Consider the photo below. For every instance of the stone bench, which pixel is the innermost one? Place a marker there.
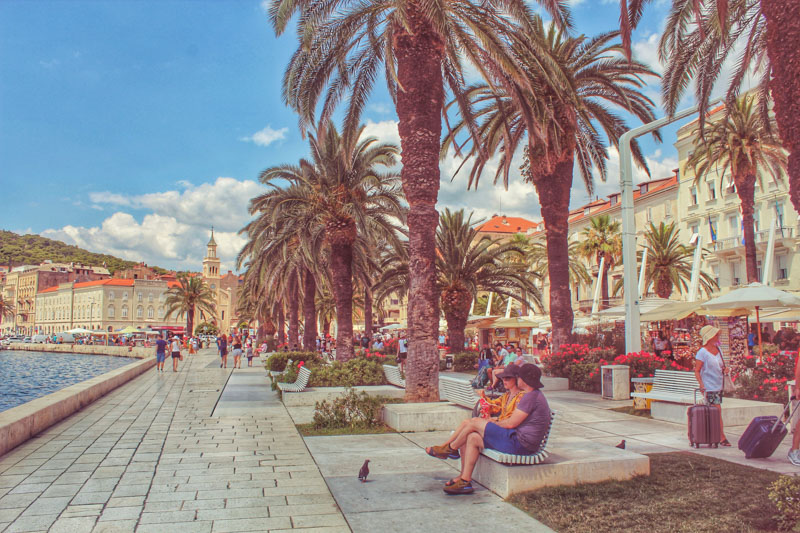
(571, 460)
(457, 391)
(312, 395)
(419, 417)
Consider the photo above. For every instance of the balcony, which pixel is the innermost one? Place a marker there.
(732, 245)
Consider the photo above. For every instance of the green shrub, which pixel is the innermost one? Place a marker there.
(584, 377)
(767, 348)
(355, 372)
(442, 365)
(785, 494)
(465, 361)
(277, 362)
(353, 410)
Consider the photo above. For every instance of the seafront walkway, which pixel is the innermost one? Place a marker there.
(204, 449)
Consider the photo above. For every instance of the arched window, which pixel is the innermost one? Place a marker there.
(124, 311)
(151, 312)
(110, 311)
(150, 298)
(160, 312)
(139, 312)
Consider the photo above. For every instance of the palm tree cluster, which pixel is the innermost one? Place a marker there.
(191, 295)
(552, 97)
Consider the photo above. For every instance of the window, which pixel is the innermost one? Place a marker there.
(693, 196)
(150, 312)
(111, 295)
(213, 286)
(667, 210)
(733, 225)
(223, 315)
(110, 311)
(395, 301)
(712, 190)
(139, 297)
(779, 214)
(150, 298)
(758, 270)
(783, 267)
(735, 274)
(649, 214)
(139, 312)
(124, 295)
(124, 311)
(693, 229)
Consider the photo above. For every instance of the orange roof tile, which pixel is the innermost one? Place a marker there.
(503, 224)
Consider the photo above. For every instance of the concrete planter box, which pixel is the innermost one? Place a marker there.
(735, 412)
(312, 395)
(417, 417)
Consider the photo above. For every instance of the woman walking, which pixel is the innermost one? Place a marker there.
(175, 348)
(237, 351)
(710, 369)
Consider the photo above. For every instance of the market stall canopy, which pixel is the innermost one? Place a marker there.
(128, 330)
(80, 331)
(645, 306)
(754, 295)
(515, 322)
(391, 327)
(786, 315)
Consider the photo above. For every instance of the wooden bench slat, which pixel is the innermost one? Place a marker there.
(533, 459)
(299, 384)
(672, 386)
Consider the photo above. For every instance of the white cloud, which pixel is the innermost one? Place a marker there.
(381, 108)
(175, 226)
(265, 5)
(646, 51)
(385, 131)
(266, 136)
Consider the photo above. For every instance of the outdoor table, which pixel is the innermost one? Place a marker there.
(642, 385)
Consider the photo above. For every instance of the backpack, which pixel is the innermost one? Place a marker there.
(481, 380)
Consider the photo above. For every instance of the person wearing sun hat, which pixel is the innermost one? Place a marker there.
(519, 434)
(710, 369)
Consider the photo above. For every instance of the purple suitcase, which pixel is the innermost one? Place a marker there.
(764, 434)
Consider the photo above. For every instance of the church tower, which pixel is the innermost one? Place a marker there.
(211, 262)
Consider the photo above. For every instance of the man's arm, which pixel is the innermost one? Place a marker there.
(514, 420)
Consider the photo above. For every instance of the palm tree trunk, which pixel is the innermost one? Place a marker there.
(309, 312)
(456, 302)
(190, 321)
(783, 34)
(368, 312)
(281, 325)
(604, 286)
(342, 274)
(554, 191)
(745, 188)
(294, 311)
(419, 51)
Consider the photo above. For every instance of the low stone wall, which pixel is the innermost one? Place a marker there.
(20, 423)
(139, 352)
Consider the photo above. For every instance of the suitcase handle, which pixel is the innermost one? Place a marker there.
(788, 407)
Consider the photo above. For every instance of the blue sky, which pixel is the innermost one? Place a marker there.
(131, 127)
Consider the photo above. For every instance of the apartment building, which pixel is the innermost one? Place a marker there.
(710, 208)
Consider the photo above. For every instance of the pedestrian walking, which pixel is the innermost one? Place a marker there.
(175, 347)
(161, 354)
(222, 345)
(237, 351)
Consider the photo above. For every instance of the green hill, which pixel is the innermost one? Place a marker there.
(33, 249)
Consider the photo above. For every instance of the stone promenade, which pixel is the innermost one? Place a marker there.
(204, 449)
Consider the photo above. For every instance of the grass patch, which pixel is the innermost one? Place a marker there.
(684, 492)
(629, 410)
(308, 430)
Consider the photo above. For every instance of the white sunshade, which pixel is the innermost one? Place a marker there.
(646, 305)
(80, 331)
(754, 295)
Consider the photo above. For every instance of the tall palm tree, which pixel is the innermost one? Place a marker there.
(342, 194)
(537, 258)
(466, 264)
(6, 308)
(602, 241)
(191, 295)
(741, 146)
(763, 35)
(561, 117)
(669, 263)
(421, 45)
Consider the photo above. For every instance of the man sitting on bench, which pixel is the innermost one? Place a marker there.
(520, 434)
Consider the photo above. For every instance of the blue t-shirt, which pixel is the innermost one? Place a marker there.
(161, 346)
(711, 371)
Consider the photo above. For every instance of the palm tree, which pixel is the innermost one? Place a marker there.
(669, 263)
(340, 194)
(191, 295)
(561, 118)
(6, 308)
(763, 35)
(602, 240)
(466, 264)
(742, 146)
(421, 45)
(537, 258)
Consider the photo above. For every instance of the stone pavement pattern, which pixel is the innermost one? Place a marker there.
(169, 452)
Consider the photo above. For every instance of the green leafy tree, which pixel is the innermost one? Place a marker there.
(742, 146)
(190, 296)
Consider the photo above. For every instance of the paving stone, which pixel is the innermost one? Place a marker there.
(10, 501)
(24, 488)
(131, 490)
(7, 515)
(61, 490)
(182, 527)
(83, 510)
(31, 523)
(250, 524)
(120, 526)
(177, 505)
(120, 513)
(322, 520)
(302, 510)
(229, 514)
(162, 517)
(233, 503)
(78, 524)
(125, 501)
(84, 497)
(46, 506)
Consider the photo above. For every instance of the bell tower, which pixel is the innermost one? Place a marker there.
(211, 262)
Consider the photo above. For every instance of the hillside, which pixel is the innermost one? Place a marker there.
(33, 249)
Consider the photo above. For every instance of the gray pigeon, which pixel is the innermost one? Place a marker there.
(621, 445)
(364, 472)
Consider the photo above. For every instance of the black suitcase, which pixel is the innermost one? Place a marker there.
(704, 425)
(764, 434)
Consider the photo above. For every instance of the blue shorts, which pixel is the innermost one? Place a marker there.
(160, 357)
(503, 440)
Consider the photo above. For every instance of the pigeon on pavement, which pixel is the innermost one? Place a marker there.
(364, 472)
(621, 445)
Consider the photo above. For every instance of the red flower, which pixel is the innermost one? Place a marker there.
(301, 363)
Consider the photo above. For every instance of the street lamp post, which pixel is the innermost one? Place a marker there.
(633, 336)
(91, 312)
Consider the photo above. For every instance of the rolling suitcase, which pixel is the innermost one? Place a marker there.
(704, 423)
(764, 434)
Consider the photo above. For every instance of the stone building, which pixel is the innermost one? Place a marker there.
(225, 289)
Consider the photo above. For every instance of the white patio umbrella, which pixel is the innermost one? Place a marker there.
(80, 331)
(756, 296)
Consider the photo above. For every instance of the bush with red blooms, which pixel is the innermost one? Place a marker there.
(767, 381)
(582, 364)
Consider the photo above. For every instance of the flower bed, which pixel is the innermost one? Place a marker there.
(362, 370)
(767, 381)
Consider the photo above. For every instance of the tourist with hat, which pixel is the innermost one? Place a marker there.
(519, 434)
(710, 369)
